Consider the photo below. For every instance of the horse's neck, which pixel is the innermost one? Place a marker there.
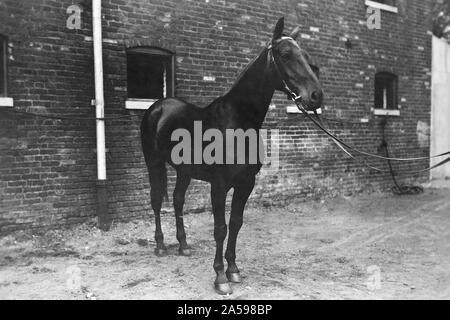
(253, 91)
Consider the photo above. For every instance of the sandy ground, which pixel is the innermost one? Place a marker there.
(376, 246)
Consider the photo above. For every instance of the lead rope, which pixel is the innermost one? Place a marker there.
(348, 153)
(396, 188)
(342, 144)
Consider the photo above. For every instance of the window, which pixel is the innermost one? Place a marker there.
(4, 100)
(150, 76)
(387, 5)
(386, 93)
(3, 65)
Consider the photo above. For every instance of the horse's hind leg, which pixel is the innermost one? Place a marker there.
(158, 186)
(240, 197)
(178, 202)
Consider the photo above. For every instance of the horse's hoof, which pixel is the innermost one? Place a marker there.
(161, 252)
(184, 252)
(223, 288)
(234, 277)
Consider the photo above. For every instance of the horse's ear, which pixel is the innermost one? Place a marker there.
(278, 31)
(295, 33)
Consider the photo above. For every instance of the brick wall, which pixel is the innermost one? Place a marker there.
(48, 167)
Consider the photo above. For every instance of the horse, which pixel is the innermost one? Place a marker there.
(281, 65)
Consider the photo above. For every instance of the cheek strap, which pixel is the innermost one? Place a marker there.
(271, 59)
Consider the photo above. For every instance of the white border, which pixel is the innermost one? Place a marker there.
(294, 109)
(386, 112)
(6, 102)
(381, 6)
(139, 104)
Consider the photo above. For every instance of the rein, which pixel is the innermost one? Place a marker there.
(343, 145)
(297, 99)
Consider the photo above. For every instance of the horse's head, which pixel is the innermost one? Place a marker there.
(293, 69)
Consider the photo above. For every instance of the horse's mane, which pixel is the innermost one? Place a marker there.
(244, 71)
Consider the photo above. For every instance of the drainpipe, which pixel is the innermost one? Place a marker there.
(102, 204)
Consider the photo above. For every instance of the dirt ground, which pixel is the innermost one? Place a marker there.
(376, 246)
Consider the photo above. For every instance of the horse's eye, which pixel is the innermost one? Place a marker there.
(285, 54)
(315, 70)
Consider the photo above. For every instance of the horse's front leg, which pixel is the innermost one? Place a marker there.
(218, 197)
(178, 201)
(240, 197)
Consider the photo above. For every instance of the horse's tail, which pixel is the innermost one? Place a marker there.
(154, 158)
(158, 173)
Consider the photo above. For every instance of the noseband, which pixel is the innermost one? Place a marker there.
(292, 95)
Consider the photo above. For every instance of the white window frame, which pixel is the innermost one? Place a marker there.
(386, 112)
(6, 102)
(144, 104)
(294, 109)
(381, 6)
(139, 104)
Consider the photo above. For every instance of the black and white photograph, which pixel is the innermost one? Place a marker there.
(224, 150)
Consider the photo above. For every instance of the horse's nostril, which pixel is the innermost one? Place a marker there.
(315, 96)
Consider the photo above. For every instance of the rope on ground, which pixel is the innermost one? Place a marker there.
(397, 189)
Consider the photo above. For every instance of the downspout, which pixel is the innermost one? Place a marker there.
(102, 204)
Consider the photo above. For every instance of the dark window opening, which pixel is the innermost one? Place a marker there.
(387, 2)
(385, 91)
(3, 65)
(150, 73)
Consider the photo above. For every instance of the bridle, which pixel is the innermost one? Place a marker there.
(298, 100)
(292, 95)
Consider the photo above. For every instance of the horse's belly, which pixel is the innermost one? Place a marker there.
(230, 174)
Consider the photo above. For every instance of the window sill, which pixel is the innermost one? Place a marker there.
(139, 104)
(6, 102)
(386, 112)
(381, 6)
(294, 109)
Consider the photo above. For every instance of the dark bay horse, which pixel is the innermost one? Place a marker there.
(282, 65)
